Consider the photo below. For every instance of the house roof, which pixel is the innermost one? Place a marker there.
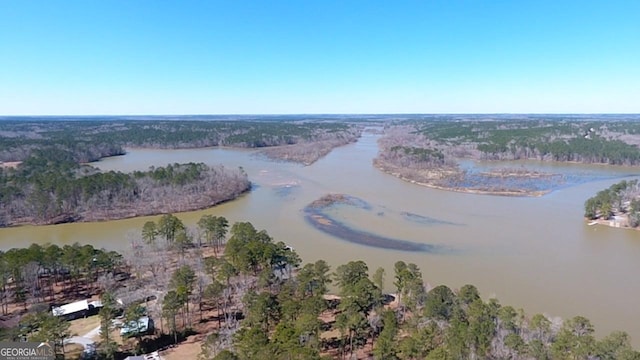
(74, 307)
(71, 308)
(152, 356)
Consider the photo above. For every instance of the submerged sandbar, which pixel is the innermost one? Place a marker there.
(316, 215)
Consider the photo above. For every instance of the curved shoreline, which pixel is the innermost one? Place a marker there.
(609, 223)
(106, 217)
(523, 193)
(304, 153)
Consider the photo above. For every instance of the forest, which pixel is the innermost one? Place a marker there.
(620, 200)
(91, 139)
(47, 180)
(240, 294)
(428, 151)
(604, 142)
(51, 187)
(309, 152)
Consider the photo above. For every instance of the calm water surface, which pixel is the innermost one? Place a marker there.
(534, 253)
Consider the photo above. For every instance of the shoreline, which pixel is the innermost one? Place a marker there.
(100, 219)
(611, 224)
(263, 151)
(305, 154)
(523, 193)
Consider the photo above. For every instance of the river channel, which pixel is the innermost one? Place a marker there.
(534, 253)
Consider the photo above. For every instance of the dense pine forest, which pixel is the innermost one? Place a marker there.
(247, 296)
(91, 139)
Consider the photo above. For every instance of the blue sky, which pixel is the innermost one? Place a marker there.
(289, 57)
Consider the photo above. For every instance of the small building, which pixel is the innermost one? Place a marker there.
(78, 309)
(143, 325)
(151, 356)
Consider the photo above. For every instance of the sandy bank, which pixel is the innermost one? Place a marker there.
(619, 222)
(10, 164)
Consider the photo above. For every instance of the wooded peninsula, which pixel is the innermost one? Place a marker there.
(617, 206)
(49, 187)
(428, 151)
(49, 181)
(204, 295)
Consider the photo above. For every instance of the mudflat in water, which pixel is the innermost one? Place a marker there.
(534, 253)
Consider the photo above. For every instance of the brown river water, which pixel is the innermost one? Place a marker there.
(533, 253)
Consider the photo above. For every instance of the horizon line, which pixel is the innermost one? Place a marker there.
(323, 114)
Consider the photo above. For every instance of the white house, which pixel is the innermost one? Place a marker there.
(78, 309)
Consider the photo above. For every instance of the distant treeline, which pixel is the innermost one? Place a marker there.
(51, 187)
(581, 141)
(90, 140)
(428, 151)
(309, 152)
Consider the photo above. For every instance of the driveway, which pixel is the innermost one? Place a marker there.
(87, 341)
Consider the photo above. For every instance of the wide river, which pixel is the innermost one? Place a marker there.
(534, 253)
